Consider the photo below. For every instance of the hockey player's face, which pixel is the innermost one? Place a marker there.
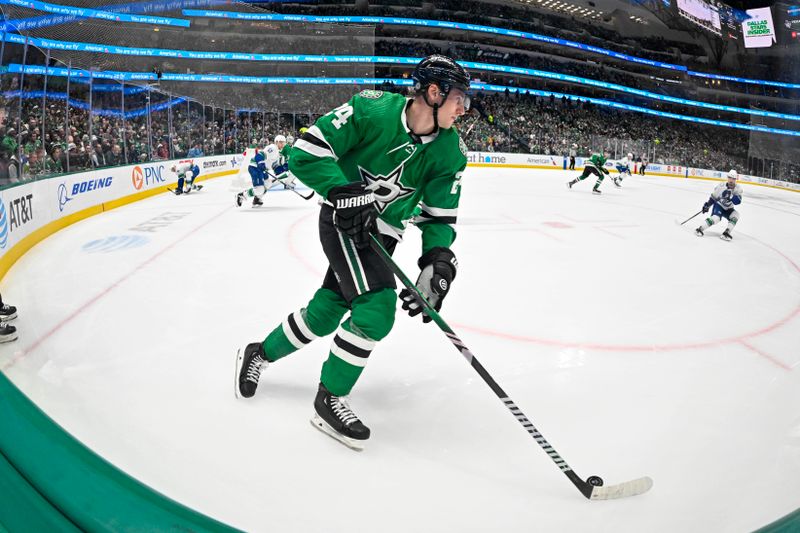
(731, 183)
(455, 105)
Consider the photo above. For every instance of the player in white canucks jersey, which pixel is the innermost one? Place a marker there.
(721, 202)
(187, 173)
(257, 169)
(277, 161)
(373, 160)
(624, 169)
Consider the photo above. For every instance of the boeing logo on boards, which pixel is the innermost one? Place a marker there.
(147, 176)
(80, 188)
(63, 198)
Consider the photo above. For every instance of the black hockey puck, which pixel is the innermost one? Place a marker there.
(595, 481)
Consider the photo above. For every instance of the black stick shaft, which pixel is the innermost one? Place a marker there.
(473, 361)
(691, 217)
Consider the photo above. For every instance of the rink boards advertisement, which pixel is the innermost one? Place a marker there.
(557, 162)
(31, 211)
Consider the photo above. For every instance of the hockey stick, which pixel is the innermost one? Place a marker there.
(691, 217)
(280, 180)
(593, 487)
(309, 197)
(194, 188)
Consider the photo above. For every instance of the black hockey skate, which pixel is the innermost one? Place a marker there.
(7, 312)
(335, 418)
(699, 231)
(596, 191)
(726, 236)
(617, 182)
(8, 332)
(249, 364)
(239, 199)
(571, 183)
(257, 201)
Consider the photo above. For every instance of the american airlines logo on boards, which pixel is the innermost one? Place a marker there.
(147, 176)
(541, 160)
(19, 213)
(355, 201)
(80, 188)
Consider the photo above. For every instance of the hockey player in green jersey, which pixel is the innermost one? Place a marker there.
(374, 160)
(285, 149)
(595, 165)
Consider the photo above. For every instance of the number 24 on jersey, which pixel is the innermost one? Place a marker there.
(343, 112)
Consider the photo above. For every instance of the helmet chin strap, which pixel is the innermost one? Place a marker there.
(435, 113)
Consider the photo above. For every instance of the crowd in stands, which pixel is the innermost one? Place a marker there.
(497, 122)
(552, 126)
(43, 136)
(586, 31)
(676, 85)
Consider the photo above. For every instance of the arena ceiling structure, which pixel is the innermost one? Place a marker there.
(224, 46)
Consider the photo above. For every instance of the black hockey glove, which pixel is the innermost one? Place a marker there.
(438, 270)
(354, 212)
(707, 206)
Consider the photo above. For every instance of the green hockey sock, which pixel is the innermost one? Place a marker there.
(346, 360)
(599, 181)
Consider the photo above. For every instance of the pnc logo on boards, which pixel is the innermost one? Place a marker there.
(137, 177)
(146, 176)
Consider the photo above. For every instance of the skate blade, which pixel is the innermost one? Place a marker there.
(323, 426)
(239, 361)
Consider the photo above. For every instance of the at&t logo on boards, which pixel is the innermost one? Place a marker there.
(16, 214)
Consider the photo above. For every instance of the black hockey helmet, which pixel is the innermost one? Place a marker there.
(441, 70)
(446, 74)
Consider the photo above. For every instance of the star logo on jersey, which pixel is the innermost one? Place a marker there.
(386, 189)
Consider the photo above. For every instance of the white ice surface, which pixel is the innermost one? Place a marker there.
(635, 347)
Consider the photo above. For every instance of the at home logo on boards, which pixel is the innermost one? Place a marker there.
(479, 157)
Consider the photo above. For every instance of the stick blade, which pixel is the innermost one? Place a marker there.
(622, 490)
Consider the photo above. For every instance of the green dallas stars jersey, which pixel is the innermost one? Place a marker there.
(367, 139)
(597, 161)
(286, 152)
